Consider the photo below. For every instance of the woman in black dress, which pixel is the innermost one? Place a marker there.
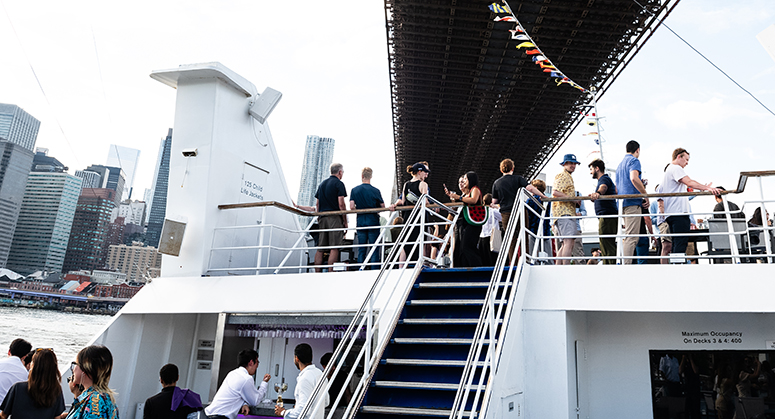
(410, 194)
(467, 235)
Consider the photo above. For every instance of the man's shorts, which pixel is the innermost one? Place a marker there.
(664, 230)
(566, 226)
(331, 238)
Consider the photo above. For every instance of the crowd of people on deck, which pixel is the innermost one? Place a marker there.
(33, 390)
(667, 220)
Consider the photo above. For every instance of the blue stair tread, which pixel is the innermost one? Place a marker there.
(409, 411)
(435, 341)
(483, 284)
(427, 362)
(436, 321)
(421, 385)
(456, 302)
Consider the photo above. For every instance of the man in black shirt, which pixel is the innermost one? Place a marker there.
(161, 406)
(732, 207)
(330, 197)
(607, 226)
(504, 193)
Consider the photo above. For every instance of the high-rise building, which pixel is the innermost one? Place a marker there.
(15, 163)
(126, 158)
(133, 212)
(42, 162)
(18, 127)
(158, 202)
(45, 220)
(87, 247)
(91, 180)
(138, 262)
(318, 156)
(111, 178)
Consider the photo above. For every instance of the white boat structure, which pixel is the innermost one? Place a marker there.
(526, 339)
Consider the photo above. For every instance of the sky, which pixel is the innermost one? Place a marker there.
(329, 59)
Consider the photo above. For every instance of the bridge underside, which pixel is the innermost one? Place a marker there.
(464, 97)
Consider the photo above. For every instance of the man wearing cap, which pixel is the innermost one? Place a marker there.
(564, 188)
(628, 182)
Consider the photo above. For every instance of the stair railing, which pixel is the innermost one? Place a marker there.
(368, 315)
(488, 330)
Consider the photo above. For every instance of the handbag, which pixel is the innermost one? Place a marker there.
(496, 239)
(476, 215)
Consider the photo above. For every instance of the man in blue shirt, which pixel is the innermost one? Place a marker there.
(628, 182)
(366, 196)
(330, 197)
(603, 207)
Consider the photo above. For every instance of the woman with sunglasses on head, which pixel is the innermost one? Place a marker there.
(92, 370)
(40, 397)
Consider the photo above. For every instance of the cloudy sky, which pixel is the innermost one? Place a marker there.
(329, 59)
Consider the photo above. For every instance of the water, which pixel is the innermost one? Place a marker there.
(66, 333)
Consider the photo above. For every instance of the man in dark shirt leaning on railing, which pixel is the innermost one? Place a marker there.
(606, 226)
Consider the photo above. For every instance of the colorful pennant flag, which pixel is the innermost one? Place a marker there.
(591, 133)
(516, 31)
(497, 8)
(519, 34)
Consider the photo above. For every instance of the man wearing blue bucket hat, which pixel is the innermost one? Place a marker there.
(564, 188)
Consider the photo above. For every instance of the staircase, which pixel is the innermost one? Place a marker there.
(421, 368)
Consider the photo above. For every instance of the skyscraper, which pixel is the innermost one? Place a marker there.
(318, 156)
(87, 248)
(15, 163)
(111, 178)
(18, 127)
(158, 202)
(45, 219)
(89, 179)
(126, 158)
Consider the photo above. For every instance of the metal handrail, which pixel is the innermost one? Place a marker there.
(367, 316)
(494, 317)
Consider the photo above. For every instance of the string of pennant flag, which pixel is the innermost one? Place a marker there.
(538, 57)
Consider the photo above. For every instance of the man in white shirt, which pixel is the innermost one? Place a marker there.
(238, 391)
(676, 180)
(308, 378)
(12, 369)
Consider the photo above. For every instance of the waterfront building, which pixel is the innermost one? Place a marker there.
(44, 223)
(87, 248)
(18, 127)
(15, 162)
(107, 277)
(158, 201)
(111, 178)
(138, 262)
(318, 156)
(92, 180)
(126, 158)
